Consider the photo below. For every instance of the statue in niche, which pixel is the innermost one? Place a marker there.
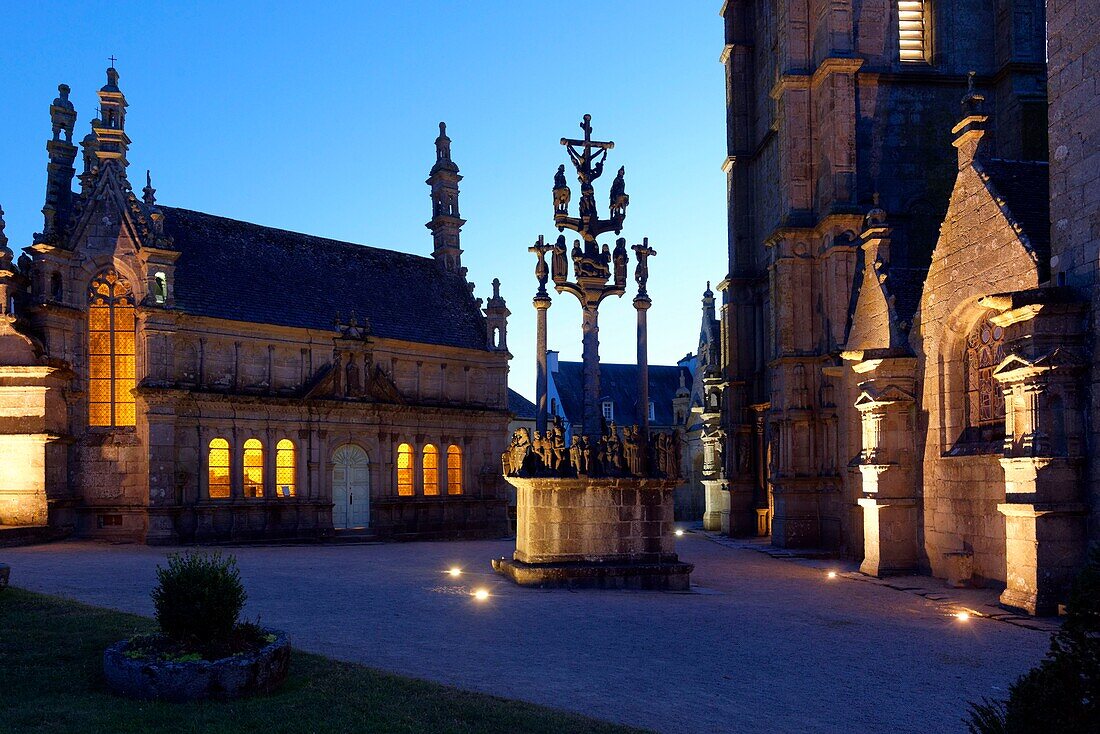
(352, 386)
(620, 262)
(559, 264)
(337, 370)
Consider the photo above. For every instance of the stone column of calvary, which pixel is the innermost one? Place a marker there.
(610, 488)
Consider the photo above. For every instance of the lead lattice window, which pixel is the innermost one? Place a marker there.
(984, 351)
(111, 360)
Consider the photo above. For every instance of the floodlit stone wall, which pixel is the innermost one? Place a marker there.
(979, 253)
(1073, 48)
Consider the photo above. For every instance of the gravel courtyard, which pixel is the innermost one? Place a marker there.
(761, 645)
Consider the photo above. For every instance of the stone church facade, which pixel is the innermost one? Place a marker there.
(907, 322)
(172, 376)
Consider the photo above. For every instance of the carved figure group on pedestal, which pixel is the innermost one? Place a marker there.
(620, 452)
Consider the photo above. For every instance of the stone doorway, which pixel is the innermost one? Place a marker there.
(350, 487)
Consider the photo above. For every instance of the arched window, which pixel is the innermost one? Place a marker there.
(286, 464)
(160, 287)
(984, 398)
(217, 463)
(430, 465)
(454, 470)
(405, 470)
(253, 468)
(111, 365)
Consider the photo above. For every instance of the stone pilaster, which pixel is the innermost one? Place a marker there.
(886, 407)
(1044, 511)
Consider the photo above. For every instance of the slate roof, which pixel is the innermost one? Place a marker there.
(520, 407)
(1025, 187)
(620, 383)
(247, 272)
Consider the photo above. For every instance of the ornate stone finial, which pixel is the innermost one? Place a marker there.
(496, 288)
(149, 193)
(708, 293)
(62, 99)
(876, 217)
(5, 253)
(972, 100)
(443, 144)
(112, 77)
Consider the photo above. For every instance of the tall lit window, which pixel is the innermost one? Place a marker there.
(111, 365)
(285, 468)
(217, 463)
(253, 468)
(454, 470)
(984, 351)
(405, 470)
(913, 30)
(431, 469)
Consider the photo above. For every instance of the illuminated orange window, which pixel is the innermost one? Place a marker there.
(111, 364)
(217, 463)
(286, 464)
(454, 470)
(253, 468)
(405, 470)
(431, 470)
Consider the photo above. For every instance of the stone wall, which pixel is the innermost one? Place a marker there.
(979, 253)
(1073, 50)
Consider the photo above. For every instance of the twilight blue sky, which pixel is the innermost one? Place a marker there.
(320, 117)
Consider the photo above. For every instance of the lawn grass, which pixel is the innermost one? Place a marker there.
(51, 680)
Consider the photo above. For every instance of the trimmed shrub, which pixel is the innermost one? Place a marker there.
(198, 598)
(1061, 694)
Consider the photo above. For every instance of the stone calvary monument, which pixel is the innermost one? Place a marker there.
(594, 503)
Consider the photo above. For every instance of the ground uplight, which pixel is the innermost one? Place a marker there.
(679, 533)
(455, 571)
(481, 594)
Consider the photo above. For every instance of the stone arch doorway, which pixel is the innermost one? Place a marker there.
(350, 487)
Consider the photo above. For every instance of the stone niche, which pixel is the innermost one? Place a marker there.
(595, 532)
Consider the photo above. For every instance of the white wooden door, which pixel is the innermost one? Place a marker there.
(350, 487)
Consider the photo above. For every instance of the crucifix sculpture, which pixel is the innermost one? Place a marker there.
(593, 267)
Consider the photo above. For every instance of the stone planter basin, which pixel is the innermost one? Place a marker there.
(234, 677)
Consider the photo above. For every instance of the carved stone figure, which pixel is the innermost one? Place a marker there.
(558, 449)
(561, 191)
(619, 198)
(630, 449)
(576, 456)
(352, 386)
(620, 261)
(559, 263)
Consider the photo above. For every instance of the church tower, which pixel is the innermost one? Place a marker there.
(110, 132)
(446, 223)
